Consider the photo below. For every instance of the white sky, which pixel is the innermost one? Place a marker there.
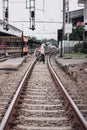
(53, 12)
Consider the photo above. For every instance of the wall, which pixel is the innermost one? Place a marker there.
(67, 46)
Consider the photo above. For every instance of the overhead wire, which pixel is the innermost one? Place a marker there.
(39, 22)
(15, 2)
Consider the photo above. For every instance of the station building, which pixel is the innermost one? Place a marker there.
(84, 2)
(12, 31)
(12, 39)
(76, 16)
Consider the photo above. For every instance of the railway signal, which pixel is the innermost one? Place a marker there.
(5, 14)
(30, 4)
(32, 20)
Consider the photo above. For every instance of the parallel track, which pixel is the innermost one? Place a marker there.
(10, 56)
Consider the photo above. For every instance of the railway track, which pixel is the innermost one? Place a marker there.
(10, 56)
(78, 104)
(41, 104)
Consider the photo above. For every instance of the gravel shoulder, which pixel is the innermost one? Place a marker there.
(9, 80)
(74, 73)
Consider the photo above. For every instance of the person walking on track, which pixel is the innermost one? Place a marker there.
(42, 51)
(37, 53)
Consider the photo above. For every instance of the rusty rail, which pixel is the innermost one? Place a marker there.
(8, 115)
(80, 118)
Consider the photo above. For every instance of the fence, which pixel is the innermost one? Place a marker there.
(67, 46)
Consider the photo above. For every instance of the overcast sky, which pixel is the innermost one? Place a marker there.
(19, 16)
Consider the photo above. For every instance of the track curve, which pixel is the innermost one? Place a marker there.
(41, 104)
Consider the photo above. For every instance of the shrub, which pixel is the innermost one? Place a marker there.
(78, 48)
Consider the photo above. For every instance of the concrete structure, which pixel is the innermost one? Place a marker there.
(85, 11)
(67, 46)
(76, 16)
(12, 64)
(13, 31)
(85, 22)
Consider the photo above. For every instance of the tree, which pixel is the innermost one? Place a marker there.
(77, 33)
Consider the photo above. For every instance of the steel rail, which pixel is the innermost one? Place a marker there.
(82, 121)
(5, 121)
(4, 58)
(8, 114)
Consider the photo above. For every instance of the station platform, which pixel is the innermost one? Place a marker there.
(16, 62)
(67, 62)
(12, 64)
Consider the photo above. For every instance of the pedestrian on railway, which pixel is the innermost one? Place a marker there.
(42, 51)
(37, 53)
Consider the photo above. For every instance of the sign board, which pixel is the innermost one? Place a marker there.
(68, 28)
(60, 34)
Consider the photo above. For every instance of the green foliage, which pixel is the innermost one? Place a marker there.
(77, 33)
(78, 48)
(74, 35)
(74, 55)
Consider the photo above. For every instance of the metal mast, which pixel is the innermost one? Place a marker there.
(67, 15)
(30, 4)
(67, 11)
(63, 28)
(64, 20)
(32, 14)
(5, 14)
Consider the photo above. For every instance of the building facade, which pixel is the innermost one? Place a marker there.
(84, 2)
(85, 11)
(76, 16)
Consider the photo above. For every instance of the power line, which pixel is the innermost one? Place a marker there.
(44, 33)
(38, 22)
(15, 2)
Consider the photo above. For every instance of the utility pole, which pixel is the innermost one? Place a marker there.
(64, 18)
(67, 15)
(67, 11)
(5, 14)
(63, 28)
